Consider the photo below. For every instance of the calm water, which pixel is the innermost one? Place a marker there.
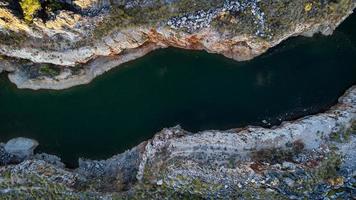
(194, 89)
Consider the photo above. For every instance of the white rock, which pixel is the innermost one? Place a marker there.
(160, 182)
(21, 147)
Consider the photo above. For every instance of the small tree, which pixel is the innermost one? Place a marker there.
(30, 8)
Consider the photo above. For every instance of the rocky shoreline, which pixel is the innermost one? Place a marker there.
(312, 157)
(72, 43)
(73, 47)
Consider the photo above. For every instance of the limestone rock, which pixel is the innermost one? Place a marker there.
(242, 163)
(113, 32)
(21, 148)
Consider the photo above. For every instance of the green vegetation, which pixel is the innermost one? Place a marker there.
(30, 8)
(188, 6)
(280, 16)
(121, 18)
(76, 70)
(344, 134)
(49, 70)
(32, 186)
(118, 19)
(149, 15)
(329, 167)
(325, 171)
(278, 155)
(149, 191)
(53, 5)
(251, 192)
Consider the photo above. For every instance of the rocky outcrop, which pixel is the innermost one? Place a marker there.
(312, 157)
(75, 45)
(17, 150)
(235, 163)
(21, 148)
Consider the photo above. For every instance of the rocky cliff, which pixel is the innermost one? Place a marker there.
(71, 42)
(310, 158)
(59, 44)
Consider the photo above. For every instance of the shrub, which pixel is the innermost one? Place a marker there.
(49, 70)
(30, 8)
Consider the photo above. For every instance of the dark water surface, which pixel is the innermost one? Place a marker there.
(194, 89)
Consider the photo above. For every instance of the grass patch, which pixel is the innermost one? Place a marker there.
(49, 70)
(151, 15)
(344, 134)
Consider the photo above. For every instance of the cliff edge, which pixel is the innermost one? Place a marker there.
(59, 44)
(312, 158)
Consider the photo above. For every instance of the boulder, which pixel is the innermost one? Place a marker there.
(21, 148)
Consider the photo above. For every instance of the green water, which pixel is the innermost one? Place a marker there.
(194, 89)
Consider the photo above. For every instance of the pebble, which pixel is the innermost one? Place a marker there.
(160, 182)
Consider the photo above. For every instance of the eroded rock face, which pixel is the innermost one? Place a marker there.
(312, 158)
(95, 36)
(50, 159)
(309, 158)
(255, 162)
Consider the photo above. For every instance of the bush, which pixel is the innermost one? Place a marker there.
(30, 8)
(49, 70)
